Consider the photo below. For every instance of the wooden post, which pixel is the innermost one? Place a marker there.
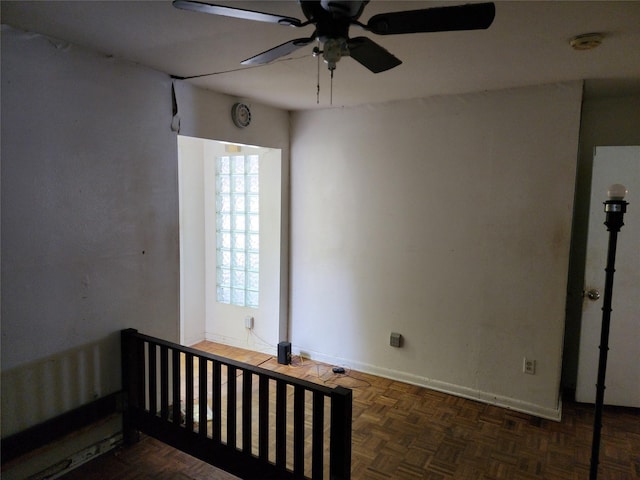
(317, 442)
(340, 448)
(130, 365)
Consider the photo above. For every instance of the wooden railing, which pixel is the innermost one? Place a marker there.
(249, 421)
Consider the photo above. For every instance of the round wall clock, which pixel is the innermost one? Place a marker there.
(241, 115)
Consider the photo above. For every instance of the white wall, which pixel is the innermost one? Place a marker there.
(89, 225)
(192, 240)
(89, 202)
(447, 220)
(90, 221)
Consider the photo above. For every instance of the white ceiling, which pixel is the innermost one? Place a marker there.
(527, 44)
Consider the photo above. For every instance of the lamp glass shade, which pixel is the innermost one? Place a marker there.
(616, 191)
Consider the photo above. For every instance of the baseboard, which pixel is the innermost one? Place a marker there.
(53, 429)
(80, 458)
(554, 414)
(517, 405)
(61, 457)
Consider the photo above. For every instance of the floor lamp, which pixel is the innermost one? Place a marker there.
(615, 209)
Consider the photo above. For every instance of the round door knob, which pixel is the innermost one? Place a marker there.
(593, 294)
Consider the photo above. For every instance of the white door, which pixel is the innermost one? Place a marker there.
(613, 165)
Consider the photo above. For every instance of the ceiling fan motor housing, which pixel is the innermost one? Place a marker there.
(331, 22)
(344, 8)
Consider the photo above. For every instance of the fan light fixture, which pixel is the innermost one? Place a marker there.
(586, 41)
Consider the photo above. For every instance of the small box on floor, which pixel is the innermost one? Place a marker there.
(284, 353)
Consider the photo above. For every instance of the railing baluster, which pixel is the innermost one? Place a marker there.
(176, 379)
(263, 418)
(317, 437)
(164, 382)
(153, 386)
(298, 430)
(232, 401)
(340, 437)
(216, 402)
(202, 396)
(188, 408)
(281, 424)
(141, 373)
(247, 393)
(132, 381)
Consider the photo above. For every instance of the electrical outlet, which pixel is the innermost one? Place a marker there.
(529, 366)
(395, 340)
(248, 322)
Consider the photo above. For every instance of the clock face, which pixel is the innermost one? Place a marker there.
(241, 115)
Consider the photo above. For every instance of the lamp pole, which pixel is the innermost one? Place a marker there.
(615, 208)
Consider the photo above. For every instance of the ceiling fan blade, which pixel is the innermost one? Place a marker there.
(203, 7)
(371, 55)
(279, 51)
(475, 16)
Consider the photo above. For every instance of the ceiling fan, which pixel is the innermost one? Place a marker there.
(332, 19)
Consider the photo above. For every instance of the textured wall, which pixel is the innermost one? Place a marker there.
(447, 220)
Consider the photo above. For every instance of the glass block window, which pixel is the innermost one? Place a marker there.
(238, 230)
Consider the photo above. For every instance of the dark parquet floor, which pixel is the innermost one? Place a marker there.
(401, 431)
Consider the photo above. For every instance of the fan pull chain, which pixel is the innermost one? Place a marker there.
(331, 89)
(318, 80)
